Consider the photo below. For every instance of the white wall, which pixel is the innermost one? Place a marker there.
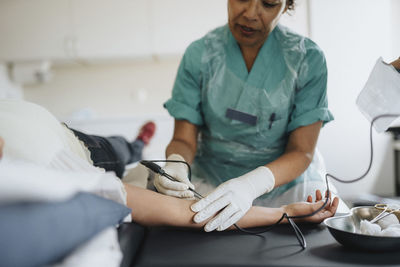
(123, 88)
(395, 16)
(107, 90)
(298, 19)
(89, 30)
(353, 34)
(8, 89)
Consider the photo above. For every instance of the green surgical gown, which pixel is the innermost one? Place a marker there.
(285, 89)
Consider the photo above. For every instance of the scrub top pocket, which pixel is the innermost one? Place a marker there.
(272, 124)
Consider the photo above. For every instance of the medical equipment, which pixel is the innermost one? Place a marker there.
(347, 231)
(380, 95)
(178, 188)
(157, 169)
(386, 211)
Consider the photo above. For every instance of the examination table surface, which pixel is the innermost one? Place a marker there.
(166, 246)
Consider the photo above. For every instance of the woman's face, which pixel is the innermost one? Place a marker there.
(251, 21)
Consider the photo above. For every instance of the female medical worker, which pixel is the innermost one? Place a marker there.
(248, 101)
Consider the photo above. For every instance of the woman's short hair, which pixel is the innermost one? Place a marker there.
(291, 4)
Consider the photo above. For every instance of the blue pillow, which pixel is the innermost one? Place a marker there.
(34, 234)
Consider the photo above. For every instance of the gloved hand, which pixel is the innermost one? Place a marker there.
(180, 172)
(233, 198)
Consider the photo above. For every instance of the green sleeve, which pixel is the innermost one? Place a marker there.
(311, 101)
(185, 103)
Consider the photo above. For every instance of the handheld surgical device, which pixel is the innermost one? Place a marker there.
(157, 169)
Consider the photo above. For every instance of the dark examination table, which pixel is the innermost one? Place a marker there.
(162, 246)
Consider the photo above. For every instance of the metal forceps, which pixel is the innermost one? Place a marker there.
(386, 211)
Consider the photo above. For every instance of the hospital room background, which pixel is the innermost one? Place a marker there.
(107, 66)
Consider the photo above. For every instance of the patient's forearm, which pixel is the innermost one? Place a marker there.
(1, 147)
(396, 63)
(151, 208)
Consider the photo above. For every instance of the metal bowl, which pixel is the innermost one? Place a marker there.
(346, 230)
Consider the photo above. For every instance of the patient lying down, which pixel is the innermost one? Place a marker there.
(152, 208)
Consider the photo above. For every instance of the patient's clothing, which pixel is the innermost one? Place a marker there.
(76, 145)
(111, 153)
(33, 134)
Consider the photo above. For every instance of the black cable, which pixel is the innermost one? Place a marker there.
(299, 235)
(371, 154)
(157, 169)
(352, 180)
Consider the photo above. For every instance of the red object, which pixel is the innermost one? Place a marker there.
(146, 132)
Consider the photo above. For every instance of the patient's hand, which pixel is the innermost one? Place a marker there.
(1, 147)
(396, 63)
(301, 208)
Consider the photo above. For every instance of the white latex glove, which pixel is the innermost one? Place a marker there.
(233, 198)
(180, 172)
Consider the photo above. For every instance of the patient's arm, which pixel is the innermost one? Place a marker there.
(1, 147)
(151, 208)
(396, 63)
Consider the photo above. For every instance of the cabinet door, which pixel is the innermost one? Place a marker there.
(177, 23)
(111, 29)
(31, 30)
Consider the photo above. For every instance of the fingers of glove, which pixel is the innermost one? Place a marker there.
(187, 182)
(191, 186)
(211, 209)
(221, 218)
(201, 204)
(189, 198)
(171, 185)
(180, 194)
(180, 175)
(162, 189)
(231, 221)
(184, 194)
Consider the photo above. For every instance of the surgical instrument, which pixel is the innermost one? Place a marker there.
(386, 211)
(157, 169)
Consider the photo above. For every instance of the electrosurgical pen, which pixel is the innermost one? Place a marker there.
(157, 169)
